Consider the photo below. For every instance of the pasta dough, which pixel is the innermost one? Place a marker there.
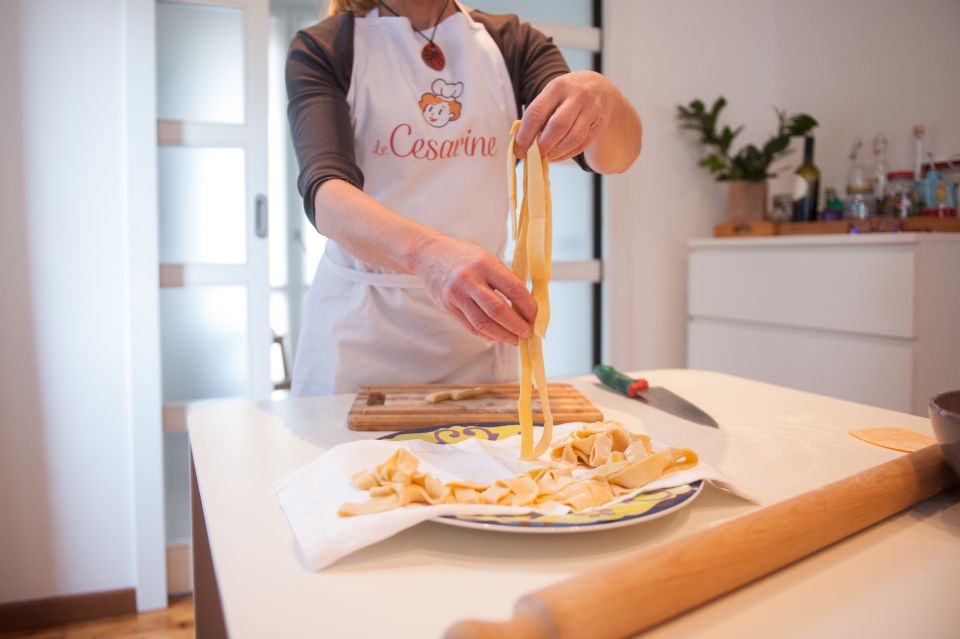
(456, 394)
(590, 468)
(533, 232)
(899, 439)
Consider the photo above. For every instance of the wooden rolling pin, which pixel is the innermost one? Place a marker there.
(662, 582)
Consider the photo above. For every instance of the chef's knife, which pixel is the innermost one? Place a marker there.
(654, 396)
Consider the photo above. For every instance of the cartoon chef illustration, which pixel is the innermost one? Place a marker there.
(440, 105)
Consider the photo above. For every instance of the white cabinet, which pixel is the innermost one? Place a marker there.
(869, 318)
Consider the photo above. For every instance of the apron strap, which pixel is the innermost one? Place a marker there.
(382, 280)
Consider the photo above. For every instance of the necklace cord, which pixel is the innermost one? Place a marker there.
(422, 34)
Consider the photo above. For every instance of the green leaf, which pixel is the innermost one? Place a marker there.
(727, 136)
(800, 124)
(713, 162)
(775, 145)
(711, 123)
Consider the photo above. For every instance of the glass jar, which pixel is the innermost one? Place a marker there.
(834, 208)
(861, 203)
(901, 198)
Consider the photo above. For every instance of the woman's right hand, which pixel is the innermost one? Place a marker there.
(464, 280)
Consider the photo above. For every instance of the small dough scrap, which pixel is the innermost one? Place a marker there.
(469, 393)
(899, 439)
(456, 394)
(437, 397)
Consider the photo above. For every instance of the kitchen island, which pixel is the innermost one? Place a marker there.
(895, 579)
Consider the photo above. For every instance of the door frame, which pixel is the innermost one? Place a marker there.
(143, 327)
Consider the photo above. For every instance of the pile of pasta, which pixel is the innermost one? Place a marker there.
(533, 233)
(591, 467)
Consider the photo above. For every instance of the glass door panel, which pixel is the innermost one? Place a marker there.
(203, 331)
(578, 12)
(568, 348)
(572, 194)
(200, 62)
(176, 482)
(202, 205)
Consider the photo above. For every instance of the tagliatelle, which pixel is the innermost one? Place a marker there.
(533, 232)
(590, 468)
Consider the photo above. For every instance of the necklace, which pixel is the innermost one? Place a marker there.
(431, 54)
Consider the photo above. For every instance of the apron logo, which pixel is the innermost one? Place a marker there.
(440, 105)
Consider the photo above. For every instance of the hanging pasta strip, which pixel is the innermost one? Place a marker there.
(524, 402)
(539, 238)
(535, 348)
(532, 255)
(512, 180)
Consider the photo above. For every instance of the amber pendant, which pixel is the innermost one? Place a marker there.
(433, 56)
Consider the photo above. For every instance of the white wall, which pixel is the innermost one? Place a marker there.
(663, 53)
(835, 59)
(900, 70)
(66, 476)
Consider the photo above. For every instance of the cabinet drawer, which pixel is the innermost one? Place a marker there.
(871, 370)
(855, 289)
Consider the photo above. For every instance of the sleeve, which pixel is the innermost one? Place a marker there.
(318, 69)
(532, 59)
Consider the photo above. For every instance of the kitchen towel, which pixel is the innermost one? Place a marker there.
(311, 495)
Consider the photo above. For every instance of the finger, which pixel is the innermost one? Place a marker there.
(458, 315)
(485, 325)
(578, 138)
(535, 116)
(559, 126)
(502, 279)
(497, 309)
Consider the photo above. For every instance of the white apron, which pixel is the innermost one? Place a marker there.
(432, 146)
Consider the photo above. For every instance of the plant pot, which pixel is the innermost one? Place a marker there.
(746, 200)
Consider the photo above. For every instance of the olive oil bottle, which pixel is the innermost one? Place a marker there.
(806, 189)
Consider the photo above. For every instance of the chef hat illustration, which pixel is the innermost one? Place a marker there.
(447, 90)
(442, 93)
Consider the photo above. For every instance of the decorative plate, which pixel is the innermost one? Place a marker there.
(641, 507)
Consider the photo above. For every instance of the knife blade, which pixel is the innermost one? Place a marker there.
(654, 396)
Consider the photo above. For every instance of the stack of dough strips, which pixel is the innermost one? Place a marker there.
(533, 234)
(593, 466)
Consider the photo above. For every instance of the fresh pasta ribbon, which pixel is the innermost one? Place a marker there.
(533, 232)
(617, 462)
(512, 179)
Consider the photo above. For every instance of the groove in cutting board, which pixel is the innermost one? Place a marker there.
(405, 407)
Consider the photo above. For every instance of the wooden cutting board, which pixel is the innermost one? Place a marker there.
(405, 407)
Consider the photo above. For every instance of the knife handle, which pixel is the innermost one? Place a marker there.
(613, 378)
(637, 386)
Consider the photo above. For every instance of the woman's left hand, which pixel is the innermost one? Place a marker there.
(582, 112)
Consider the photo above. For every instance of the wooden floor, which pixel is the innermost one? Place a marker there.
(176, 622)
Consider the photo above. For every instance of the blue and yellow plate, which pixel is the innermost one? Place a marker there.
(639, 508)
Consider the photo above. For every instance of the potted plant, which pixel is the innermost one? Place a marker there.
(747, 170)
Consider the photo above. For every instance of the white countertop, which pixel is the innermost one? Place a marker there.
(897, 579)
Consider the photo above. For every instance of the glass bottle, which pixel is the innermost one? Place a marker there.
(878, 175)
(901, 199)
(861, 202)
(806, 190)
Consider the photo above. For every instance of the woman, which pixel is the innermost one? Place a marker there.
(400, 114)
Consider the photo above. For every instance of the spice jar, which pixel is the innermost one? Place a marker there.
(834, 207)
(901, 198)
(861, 203)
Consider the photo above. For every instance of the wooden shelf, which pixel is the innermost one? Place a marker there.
(871, 225)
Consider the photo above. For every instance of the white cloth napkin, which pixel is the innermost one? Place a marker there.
(311, 495)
